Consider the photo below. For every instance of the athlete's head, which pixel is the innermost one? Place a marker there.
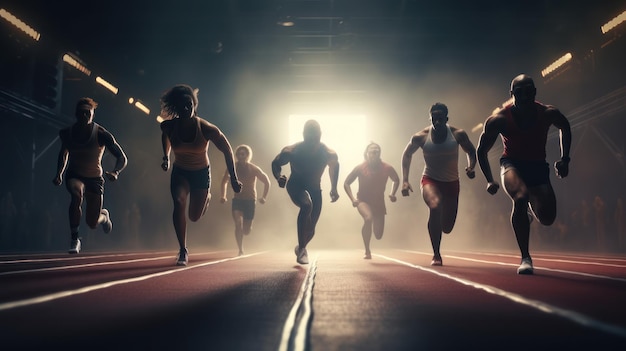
(372, 152)
(180, 101)
(438, 115)
(312, 131)
(85, 109)
(243, 153)
(523, 90)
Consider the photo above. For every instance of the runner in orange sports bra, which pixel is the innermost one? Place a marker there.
(188, 136)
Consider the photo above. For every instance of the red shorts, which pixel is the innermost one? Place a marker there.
(448, 189)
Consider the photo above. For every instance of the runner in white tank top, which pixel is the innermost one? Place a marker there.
(440, 179)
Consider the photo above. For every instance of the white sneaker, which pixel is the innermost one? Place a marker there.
(107, 225)
(302, 256)
(74, 247)
(183, 257)
(436, 261)
(526, 267)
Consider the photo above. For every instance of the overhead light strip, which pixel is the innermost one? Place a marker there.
(20, 24)
(613, 23)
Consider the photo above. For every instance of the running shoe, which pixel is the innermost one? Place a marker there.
(436, 261)
(526, 267)
(107, 225)
(74, 247)
(367, 256)
(183, 257)
(302, 256)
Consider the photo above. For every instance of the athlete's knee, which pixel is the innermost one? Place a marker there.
(367, 220)
(434, 204)
(546, 218)
(306, 206)
(180, 201)
(92, 223)
(520, 203)
(195, 216)
(378, 234)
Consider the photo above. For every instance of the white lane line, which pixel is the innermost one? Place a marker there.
(71, 258)
(296, 325)
(85, 265)
(598, 276)
(578, 259)
(539, 305)
(45, 298)
(535, 266)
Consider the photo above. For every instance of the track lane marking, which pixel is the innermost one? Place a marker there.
(539, 305)
(590, 275)
(570, 259)
(296, 328)
(50, 297)
(85, 265)
(70, 257)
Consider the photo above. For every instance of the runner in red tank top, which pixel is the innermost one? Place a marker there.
(525, 174)
(370, 199)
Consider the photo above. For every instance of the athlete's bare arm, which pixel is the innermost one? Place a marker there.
(352, 176)
(466, 144)
(279, 161)
(394, 185)
(61, 160)
(166, 144)
(333, 172)
(263, 178)
(116, 150)
(224, 186)
(493, 126)
(565, 136)
(417, 141)
(214, 134)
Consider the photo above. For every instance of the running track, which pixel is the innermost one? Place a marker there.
(265, 301)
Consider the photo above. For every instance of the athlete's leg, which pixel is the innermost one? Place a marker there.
(76, 188)
(179, 188)
(543, 203)
(238, 219)
(302, 199)
(366, 230)
(432, 198)
(378, 225)
(93, 210)
(518, 192)
(449, 209)
(198, 203)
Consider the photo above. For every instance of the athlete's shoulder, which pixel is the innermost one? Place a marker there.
(420, 137)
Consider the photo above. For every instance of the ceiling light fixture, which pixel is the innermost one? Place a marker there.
(74, 62)
(20, 24)
(613, 23)
(107, 85)
(556, 64)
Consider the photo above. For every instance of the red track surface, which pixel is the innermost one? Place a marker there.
(396, 301)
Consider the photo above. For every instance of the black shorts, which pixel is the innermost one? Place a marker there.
(198, 179)
(533, 173)
(246, 206)
(93, 185)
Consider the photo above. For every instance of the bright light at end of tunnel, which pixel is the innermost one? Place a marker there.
(346, 134)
